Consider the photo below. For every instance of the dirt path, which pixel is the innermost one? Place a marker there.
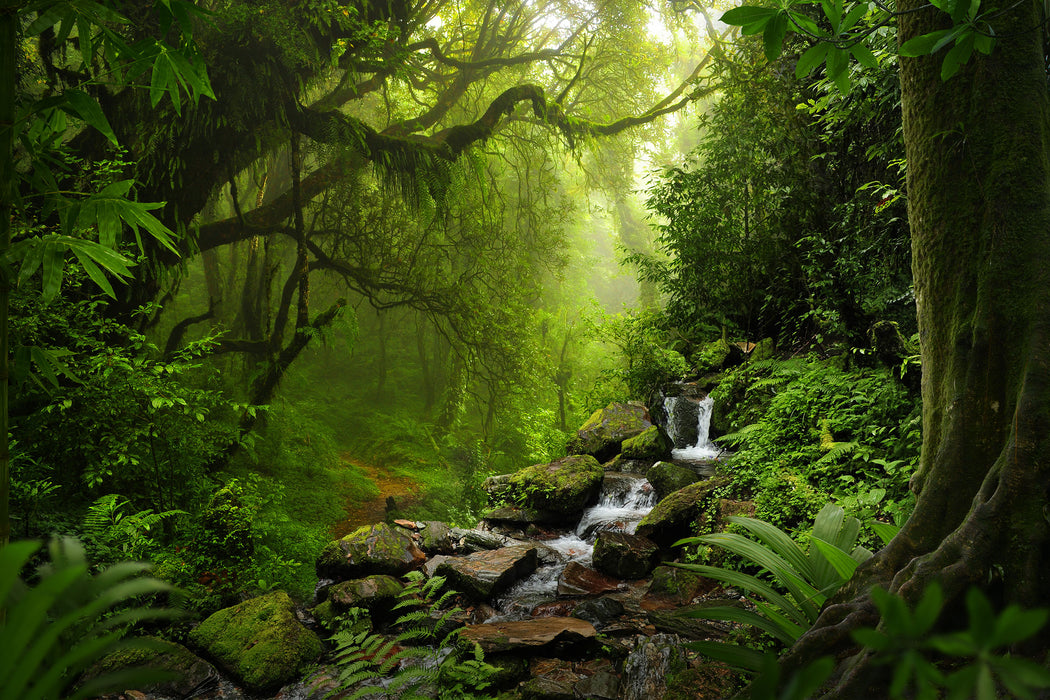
(364, 512)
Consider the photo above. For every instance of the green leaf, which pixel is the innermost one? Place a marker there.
(884, 531)
(853, 16)
(958, 56)
(1015, 624)
(922, 45)
(982, 616)
(866, 58)
(85, 107)
(162, 81)
(749, 15)
(842, 562)
(872, 639)
(773, 36)
(745, 617)
(54, 264)
(812, 58)
(736, 656)
(833, 11)
(983, 43)
(94, 273)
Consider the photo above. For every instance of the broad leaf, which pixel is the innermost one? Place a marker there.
(85, 107)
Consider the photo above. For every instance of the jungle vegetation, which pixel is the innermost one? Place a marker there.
(259, 254)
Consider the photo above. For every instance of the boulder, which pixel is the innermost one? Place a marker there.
(624, 556)
(651, 444)
(435, 537)
(577, 579)
(564, 486)
(601, 686)
(191, 671)
(470, 541)
(604, 432)
(599, 611)
(372, 549)
(369, 592)
(484, 575)
(259, 642)
(552, 634)
(667, 478)
(520, 516)
(649, 665)
(672, 587)
(672, 518)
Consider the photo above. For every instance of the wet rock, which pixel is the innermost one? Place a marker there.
(577, 579)
(563, 487)
(619, 464)
(259, 642)
(484, 575)
(604, 432)
(603, 685)
(555, 608)
(599, 611)
(192, 672)
(435, 537)
(431, 565)
(471, 541)
(624, 556)
(667, 478)
(553, 634)
(651, 445)
(368, 592)
(672, 518)
(372, 549)
(649, 665)
(672, 587)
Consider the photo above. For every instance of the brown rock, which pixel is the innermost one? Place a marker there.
(483, 575)
(578, 579)
(538, 633)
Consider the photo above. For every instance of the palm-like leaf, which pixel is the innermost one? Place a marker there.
(54, 630)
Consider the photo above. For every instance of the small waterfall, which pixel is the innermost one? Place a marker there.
(704, 448)
(624, 501)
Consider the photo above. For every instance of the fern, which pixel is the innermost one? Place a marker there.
(112, 534)
(395, 667)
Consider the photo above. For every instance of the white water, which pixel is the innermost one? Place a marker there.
(618, 509)
(704, 448)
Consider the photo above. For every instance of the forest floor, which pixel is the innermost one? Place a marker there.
(403, 489)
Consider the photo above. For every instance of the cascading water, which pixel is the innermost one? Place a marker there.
(703, 448)
(625, 500)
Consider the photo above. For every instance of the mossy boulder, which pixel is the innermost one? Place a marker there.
(607, 428)
(563, 487)
(652, 444)
(372, 549)
(667, 478)
(673, 517)
(189, 670)
(764, 350)
(624, 556)
(259, 642)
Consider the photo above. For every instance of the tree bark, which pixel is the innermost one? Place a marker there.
(979, 209)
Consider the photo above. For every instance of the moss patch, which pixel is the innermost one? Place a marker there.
(652, 444)
(564, 486)
(259, 641)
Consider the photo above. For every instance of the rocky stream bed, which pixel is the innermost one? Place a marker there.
(565, 584)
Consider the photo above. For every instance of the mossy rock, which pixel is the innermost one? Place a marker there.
(607, 428)
(652, 444)
(372, 549)
(673, 586)
(563, 487)
(259, 642)
(369, 592)
(667, 478)
(673, 517)
(764, 350)
(624, 556)
(189, 671)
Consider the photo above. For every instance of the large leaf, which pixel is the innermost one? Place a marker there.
(85, 107)
(734, 655)
(843, 564)
(747, 617)
(752, 585)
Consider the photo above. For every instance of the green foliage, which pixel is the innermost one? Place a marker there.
(410, 672)
(111, 534)
(979, 666)
(809, 578)
(55, 628)
(645, 357)
(806, 433)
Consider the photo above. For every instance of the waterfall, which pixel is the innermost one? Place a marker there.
(704, 448)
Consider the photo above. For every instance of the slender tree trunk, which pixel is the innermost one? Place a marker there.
(8, 38)
(979, 208)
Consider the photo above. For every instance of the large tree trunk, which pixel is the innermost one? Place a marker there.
(979, 208)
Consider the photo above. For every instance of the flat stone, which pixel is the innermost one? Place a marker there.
(529, 634)
(483, 575)
(578, 579)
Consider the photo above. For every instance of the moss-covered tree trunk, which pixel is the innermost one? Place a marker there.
(979, 208)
